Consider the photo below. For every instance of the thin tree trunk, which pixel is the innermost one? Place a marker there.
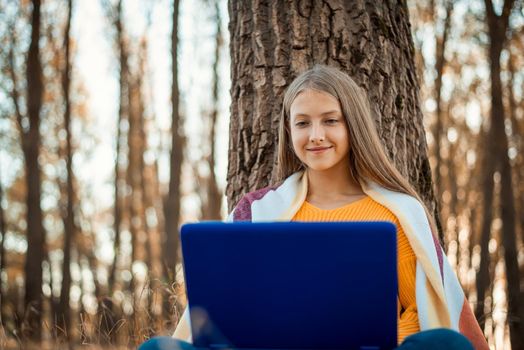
(273, 41)
(509, 241)
(31, 149)
(484, 172)
(89, 254)
(134, 172)
(149, 258)
(439, 66)
(498, 26)
(482, 279)
(518, 168)
(86, 252)
(172, 201)
(135, 167)
(518, 133)
(453, 188)
(63, 316)
(18, 306)
(472, 224)
(52, 299)
(152, 203)
(109, 311)
(123, 110)
(214, 197)
(155, 243)
(79, 317)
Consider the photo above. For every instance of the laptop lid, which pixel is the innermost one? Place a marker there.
(292, 285)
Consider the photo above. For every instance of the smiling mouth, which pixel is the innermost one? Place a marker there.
(318, 149)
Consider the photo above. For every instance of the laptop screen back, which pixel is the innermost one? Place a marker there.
(292, 285)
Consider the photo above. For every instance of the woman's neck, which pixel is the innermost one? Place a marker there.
(333, 185)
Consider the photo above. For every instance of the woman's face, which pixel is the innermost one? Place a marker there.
(318, 130)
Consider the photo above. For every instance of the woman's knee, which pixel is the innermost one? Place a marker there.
(165, 343)
(433, 339)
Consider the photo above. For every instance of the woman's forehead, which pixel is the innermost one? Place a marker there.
(310, 101)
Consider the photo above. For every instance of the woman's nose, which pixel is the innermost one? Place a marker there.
(317, 134)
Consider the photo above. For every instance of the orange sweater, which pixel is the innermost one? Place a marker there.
(366, 209)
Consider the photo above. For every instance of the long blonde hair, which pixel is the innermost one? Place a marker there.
(368, 160)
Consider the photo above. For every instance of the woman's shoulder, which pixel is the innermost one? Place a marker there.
(242, 210)
(392, 199)
(270, 202)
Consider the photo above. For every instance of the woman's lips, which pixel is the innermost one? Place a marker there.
(317, 150)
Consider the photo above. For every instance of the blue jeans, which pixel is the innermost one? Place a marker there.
(434, 339)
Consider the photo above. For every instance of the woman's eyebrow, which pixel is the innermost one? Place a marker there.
(324, 113)
(301, 115)
(331, 112)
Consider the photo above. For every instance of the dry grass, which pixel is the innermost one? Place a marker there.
(121, 322)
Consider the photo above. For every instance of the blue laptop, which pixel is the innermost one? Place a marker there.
(291, 285)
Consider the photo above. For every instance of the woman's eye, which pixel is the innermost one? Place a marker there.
(332, 121)
(300, 123)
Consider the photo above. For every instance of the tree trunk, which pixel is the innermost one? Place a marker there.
(518, 167)
(134, 170)
(213, 203)
(452, 234)
(482, 279)
(92, 262)
(150, 241)
(109, 312)
(152, 210)
(31, 150)
(439, 66)
(172, 201)
(273, 41)
(63, 315)
(136, 141)
(154, 241)
(122, 116)
(518, 134)
(509, 242)
(498, 26)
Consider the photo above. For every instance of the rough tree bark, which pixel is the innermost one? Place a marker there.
(63, 314)
(31, 149)
(273, 41)
(497, 30)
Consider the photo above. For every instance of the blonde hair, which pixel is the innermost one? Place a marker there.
(368, 160)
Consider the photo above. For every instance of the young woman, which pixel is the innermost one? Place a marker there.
(332, 167)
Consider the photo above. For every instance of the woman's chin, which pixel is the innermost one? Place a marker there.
(320, 167)
(327, 165)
